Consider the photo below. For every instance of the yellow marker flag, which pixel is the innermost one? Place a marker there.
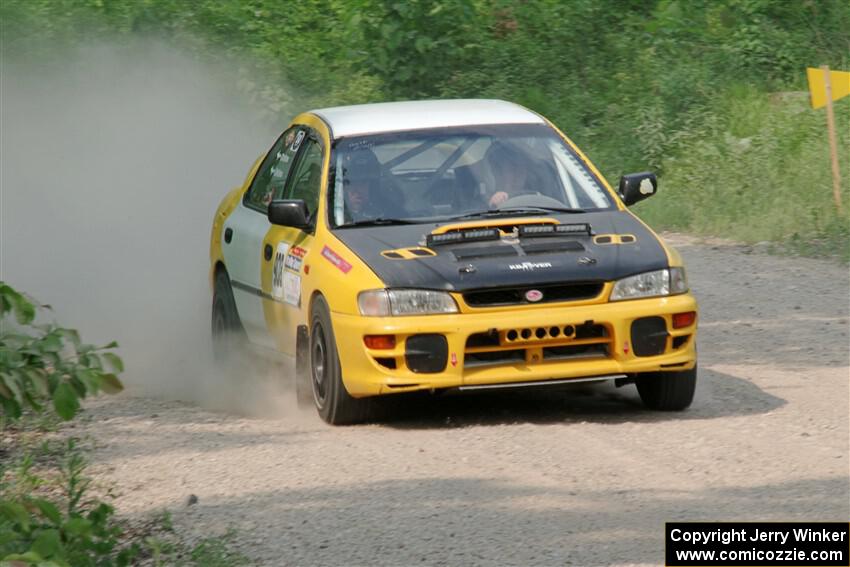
(839, 81)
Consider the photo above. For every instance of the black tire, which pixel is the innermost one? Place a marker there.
(667, 391)
(227, 332)
(333, 402)
(303, 388)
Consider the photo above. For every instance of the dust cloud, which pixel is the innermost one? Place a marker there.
(111, 166)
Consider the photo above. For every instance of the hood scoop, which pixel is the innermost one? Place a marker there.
(484, 252)
(552, 247)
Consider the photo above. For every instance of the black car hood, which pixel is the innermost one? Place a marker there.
(510, 262)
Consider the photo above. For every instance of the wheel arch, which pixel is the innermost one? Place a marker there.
(310, 306)
(218, 267)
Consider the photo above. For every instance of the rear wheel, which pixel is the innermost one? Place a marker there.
(667, 391)
(333, 402)
(227, 332)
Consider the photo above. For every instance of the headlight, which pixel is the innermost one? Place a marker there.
(396, 302)
(651, 284)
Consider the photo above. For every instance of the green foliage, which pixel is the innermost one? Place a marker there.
(759, 171)
(208, 552)
(638, 84)
(48, 365)
(214, 552)
(58, 531)
(49, 518)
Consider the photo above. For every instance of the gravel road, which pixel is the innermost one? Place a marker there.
(574, 476)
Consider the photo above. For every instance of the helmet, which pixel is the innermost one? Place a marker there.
(505, 154)
(361, 165)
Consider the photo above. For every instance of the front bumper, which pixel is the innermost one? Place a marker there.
(523, 345)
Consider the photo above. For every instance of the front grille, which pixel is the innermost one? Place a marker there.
(516, 295)
(494, 357)
(534, 345)
(575, 351)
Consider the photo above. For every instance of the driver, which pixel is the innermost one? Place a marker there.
(361, 176)
(510, 169)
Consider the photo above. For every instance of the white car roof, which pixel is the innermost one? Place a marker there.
(417, 115)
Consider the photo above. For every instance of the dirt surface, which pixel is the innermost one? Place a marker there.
(575, 476)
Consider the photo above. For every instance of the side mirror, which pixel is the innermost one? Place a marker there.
(636, 187)
(289, 212)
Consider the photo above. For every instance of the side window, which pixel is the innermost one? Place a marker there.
(272, 174)
(306, 179)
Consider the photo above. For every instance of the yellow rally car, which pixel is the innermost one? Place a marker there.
(447, 244)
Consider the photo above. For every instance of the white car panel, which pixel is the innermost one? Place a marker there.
(416, 115)
(243, 257)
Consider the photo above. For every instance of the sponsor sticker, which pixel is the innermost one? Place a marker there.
(277, 270)
(293, 262)
(336, 260)
(529, 266)
(291, 288)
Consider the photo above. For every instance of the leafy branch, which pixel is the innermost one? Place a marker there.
(48, 365)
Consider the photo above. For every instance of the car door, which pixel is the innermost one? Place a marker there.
(284, 282)
(245, 230)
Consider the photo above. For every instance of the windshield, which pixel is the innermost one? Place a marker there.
(432, 175)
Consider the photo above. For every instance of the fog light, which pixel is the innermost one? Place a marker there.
(379, 342)
(684, 319)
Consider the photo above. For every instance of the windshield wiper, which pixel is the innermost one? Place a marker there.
(377, 222)
(516, 211)
(544, 209)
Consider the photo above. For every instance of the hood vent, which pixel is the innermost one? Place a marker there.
(408, 253)
(552, 247)
(484, 252)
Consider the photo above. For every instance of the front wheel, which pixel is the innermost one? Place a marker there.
(303, 388)
(333, 402)
(667, 391)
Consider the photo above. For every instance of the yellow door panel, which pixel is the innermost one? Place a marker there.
(283, 284)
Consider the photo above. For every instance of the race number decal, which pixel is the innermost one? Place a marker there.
(291, 288)
(295, 259)
(277, 270)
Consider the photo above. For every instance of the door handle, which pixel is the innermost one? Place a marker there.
(228, 235)
(267, 252)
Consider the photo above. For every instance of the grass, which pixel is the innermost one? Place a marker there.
(757, 169)
(164, 548)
